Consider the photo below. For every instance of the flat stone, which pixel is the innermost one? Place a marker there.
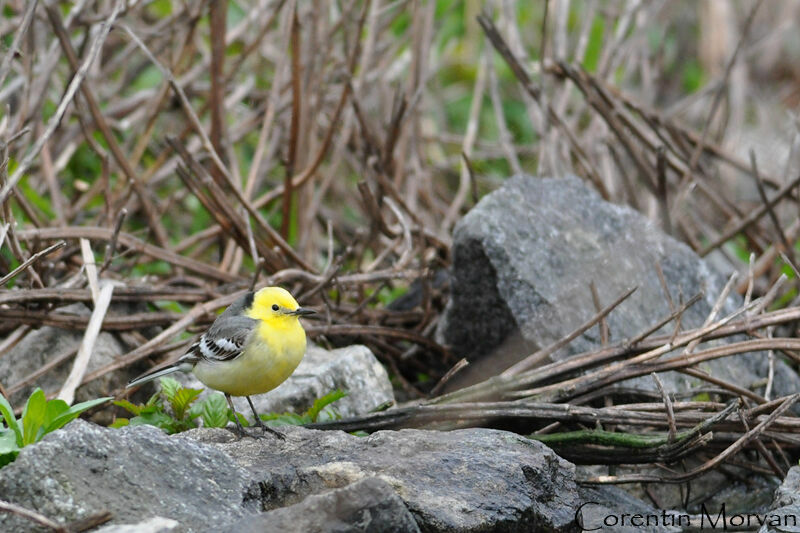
(463, 480)
(470, 480)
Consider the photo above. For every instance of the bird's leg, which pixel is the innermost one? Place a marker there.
(239, 428)
(262, 425)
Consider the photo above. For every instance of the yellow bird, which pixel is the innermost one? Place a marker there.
(251, 348)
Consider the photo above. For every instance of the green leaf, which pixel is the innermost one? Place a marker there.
(181, 400)
(286, 419)
(159, 419)
(149, 409)
(155, 399)
(693, 76)
(195, 410)
(54, 409)
(160, 8)
(178, 426)
(72, 413)
(7, 413)
(215, 411)
(319, 408)
(6, 458)
(321, 403)
(169, 305)
(169, 388)
(132, 408)
(595, 48)
(149, 78)
(329, 413)
(34, 197)
(119, 423)
(33, 416)
(8, 447)
(242, 419)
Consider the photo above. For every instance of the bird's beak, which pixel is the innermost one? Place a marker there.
(302, 311)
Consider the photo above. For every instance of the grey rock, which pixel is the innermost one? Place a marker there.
(353, 369)
(135, 473)
(40, 346)
(788, 493)
(467, 480)
(464, 480)
(523, 260)
(781, 520)
(785, 509)
(369, 506)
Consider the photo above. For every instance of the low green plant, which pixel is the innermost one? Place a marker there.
(321, 410)
(40, 417)
(175, 408)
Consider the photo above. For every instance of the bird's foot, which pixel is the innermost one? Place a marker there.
(260, 423)
(266, 432)
(238, 431)
(266, 429)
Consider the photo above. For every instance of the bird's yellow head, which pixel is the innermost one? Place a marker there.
(275, 305)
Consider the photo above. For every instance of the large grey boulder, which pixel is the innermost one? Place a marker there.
(468, 480)
(523, 261)
(368, 506)
(134, 472)
(353, 369)
(465, 480)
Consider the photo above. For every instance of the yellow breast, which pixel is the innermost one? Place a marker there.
(269, 357)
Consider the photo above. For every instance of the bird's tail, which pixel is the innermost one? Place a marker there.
(178, 366)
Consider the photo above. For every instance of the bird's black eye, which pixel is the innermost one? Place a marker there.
(275, 307)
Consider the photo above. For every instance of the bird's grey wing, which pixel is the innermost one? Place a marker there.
(225, 339)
